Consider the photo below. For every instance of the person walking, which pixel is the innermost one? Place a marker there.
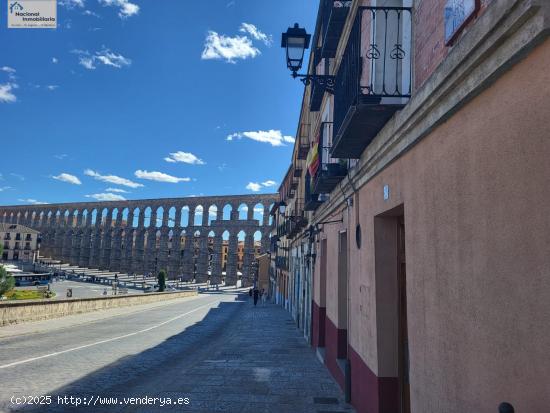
(256, 294)
(264, 296)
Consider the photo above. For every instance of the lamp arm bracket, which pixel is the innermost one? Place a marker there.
(325, 81)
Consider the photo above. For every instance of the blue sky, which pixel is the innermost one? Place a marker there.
(148, 99)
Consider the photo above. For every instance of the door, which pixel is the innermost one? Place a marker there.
(403, 355)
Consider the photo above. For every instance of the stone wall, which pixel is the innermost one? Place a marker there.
(23, 311)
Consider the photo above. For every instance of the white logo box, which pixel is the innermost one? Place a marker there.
(32, 14)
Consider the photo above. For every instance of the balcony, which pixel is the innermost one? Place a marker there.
(334, 17)
(374, 77)
(303, 141)
(311, 201)
(297, 219)
(330, 170)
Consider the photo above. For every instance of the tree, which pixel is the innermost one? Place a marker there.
(162, 280)
(7, 282)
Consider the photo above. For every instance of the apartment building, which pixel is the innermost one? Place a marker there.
(19, 243)
(411, 241)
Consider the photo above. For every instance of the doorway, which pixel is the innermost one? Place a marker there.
(391, 310)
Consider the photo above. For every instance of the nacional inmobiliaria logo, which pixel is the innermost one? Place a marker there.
(32, 14)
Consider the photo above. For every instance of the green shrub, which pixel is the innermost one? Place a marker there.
(162, 280)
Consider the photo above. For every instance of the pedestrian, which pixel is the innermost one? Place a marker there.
(250, 293)
(264, 296)
(256, 294)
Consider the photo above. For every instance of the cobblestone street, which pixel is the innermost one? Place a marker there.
(229, 356)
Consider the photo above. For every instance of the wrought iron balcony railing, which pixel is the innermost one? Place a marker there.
(373, 79)
(330, 170)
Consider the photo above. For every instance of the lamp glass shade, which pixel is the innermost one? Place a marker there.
(295, 52)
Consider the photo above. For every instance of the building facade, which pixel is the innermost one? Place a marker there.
(19, 243)
(415, 200)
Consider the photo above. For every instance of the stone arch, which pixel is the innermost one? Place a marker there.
(147, 216)
(212, 213)
(104, 215)
(243, 211)
(184, 220)
(227, 209)
(198, 216)
(159, 217)
(84, 218)
(135, 220)
(114, 217)
(93, 219)
(258, 213)
(172, 217)
(124, 218)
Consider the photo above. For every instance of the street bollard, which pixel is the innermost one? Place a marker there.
(505, 407)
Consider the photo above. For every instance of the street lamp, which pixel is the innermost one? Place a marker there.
(296, 41)
(282, 207)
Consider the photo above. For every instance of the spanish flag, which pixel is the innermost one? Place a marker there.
(312, 161)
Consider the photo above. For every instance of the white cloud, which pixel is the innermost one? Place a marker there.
(87, 62)
(71, 179)
(106, 197)
(71, 4)
(105, 57)
(109, 58)
(256, 33)
(112, 179)
(254, 186)
(90, 13)
(18, 176)
(55, 60)
(219, 46)
(119, 190)
(52, 87)
(32, 201)
(185, 157)
(6, 94)
(4, 188)
(159, 177)
(269, 183)
(7, 69)
(273, 137)
(60, 156)
(126, 9)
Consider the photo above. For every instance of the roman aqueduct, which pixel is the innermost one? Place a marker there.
(184, 236)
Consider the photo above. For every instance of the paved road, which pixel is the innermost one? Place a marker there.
(211, 353)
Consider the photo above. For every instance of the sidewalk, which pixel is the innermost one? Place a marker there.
(265, 365)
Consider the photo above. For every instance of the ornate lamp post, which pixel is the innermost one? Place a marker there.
(296, 41)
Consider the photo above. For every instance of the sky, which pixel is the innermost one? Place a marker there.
(137, 99)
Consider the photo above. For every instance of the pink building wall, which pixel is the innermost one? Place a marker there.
(475, 195)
